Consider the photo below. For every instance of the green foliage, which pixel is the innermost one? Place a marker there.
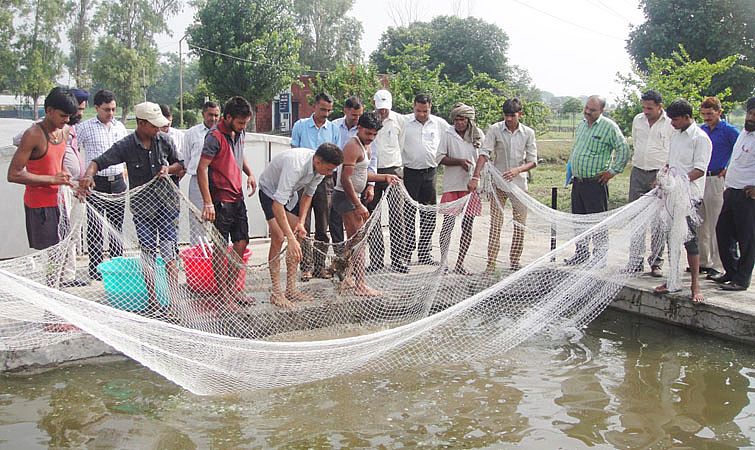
(81, 37)
(410, 75)
(8, 57)
(572, 106)
(126, 58)
(676, 77)
(166, 87)
(38, 55)
(453, 44)
(191, 118)
(347, 80)
(328, 36)
(262, 42)
(712, 29)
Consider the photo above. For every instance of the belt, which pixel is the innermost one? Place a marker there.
(427, 170)
(585, 180)
(713, 173)
(109, 178)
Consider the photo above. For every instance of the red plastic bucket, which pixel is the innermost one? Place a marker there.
(199, 273)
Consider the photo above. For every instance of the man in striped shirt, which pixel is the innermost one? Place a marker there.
(96, 136)
(600, 152)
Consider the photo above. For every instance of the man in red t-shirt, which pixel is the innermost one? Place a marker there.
(219, 179)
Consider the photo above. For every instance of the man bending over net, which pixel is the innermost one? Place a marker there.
(351, 182)
(287, 173)
(458, 152)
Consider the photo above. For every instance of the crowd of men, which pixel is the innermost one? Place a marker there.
(342, 169)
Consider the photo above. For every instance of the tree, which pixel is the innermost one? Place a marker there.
(39, 58)
(708, 29)
(676, 77)
(328, 36)
(8, 57)
(80, 35)
(126, 58)
(572, 106)
(484, 49)
(347, 80)
(166, 87)
(256, 57)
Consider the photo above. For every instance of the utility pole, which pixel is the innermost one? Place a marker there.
(181, 83)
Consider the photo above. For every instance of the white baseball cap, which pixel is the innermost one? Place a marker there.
(383, 99)
(151, 113)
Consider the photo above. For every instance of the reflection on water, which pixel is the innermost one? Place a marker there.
(625, 383)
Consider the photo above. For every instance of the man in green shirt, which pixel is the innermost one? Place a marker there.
(600, 152)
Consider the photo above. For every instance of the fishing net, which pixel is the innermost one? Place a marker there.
(438, 290)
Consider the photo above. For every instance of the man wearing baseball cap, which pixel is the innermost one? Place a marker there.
(387, 146)
(148, 154)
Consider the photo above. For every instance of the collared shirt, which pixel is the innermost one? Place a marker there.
(723, 137)
(143, 164)
(598, 148)
(690, 149)
(96, 138)
(651, 143)
(287, 173)
(345, 133)
(741, 171)
(306, 134)
(224, 171)
(455, 178)
(193, 143)
(421, 141)
(387, 145)
(178, 140)
(509, 149)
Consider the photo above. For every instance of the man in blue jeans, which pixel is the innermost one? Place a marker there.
(148, 154)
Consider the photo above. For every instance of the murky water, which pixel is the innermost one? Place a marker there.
(626, 382)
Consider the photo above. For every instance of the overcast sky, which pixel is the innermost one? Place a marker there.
(569, 47)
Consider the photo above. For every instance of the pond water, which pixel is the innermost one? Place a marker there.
(624, 382)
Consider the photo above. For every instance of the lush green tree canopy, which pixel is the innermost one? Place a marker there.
(456, 44)
(246, 47)
(328, 36)
(708, 29)
(676, 77)
(126, 57)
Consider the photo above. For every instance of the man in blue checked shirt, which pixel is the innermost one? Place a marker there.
(311, 133)
(600, 152)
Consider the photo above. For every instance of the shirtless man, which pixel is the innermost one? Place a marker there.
(353, 177)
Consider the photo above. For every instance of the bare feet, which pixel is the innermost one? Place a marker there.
(298, 296)
(697, 296)
(280, 301)
(366, 291)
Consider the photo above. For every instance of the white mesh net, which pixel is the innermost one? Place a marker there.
(205, 321)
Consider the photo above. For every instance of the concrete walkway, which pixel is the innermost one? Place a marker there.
(729, 315)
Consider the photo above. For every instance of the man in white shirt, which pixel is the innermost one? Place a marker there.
(512, 146)
(192, 149)
(300, 169)
(736, 223)
(651, 134)
(387, 148)
(689, 153)
(458, 152)
(96, 136)
(421, 140)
